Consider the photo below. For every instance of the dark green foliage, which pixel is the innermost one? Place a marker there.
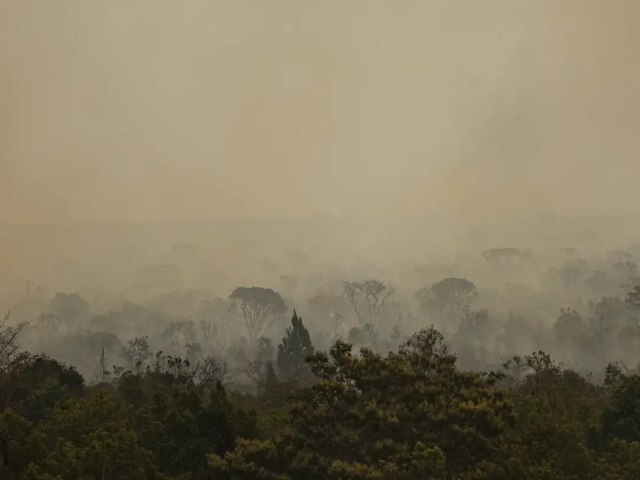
(36, 384)
(159, 423)
(621, 417)
(411, 414)
(272, 391)
(9, 346)
(557, 415)
(294, 350)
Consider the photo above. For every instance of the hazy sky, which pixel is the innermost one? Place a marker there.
(184, 110)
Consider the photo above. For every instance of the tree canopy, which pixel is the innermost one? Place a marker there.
(450, 295)
(260, 308)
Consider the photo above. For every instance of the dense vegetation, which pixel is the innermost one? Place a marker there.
(411, 413)
(510, 368)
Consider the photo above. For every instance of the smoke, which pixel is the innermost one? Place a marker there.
(556, 132)
(158, 111)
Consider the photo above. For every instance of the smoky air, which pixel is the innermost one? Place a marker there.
(319, 240)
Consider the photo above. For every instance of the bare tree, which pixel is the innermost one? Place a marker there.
(260, 308)
(9, 347)
(212, 371)
(352, 291)
(367, 299)
(136, 353)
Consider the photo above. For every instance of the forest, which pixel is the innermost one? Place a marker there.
(363, 379)
(319, 240)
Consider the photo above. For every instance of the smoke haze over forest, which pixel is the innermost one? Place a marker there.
(459, 126)
(320, 240)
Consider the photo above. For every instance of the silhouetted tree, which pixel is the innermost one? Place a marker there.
(367, 299)
(9, 347)
(260, 308)
(136, 353)
(294, 349)
(450, 295)
(211, 372)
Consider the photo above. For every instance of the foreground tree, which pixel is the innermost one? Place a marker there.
(557, 411)
(35, 384)
(158, 424)
(182, 422)
(92, 438)
(621, 417)
(9, 347)
(260, 308)
(408, 415)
